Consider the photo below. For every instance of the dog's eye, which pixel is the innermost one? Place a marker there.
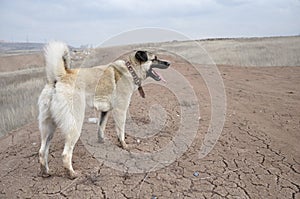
(155, 58)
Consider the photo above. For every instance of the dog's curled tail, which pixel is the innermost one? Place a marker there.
(57, 57)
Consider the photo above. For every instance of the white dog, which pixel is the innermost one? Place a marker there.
(105, 88)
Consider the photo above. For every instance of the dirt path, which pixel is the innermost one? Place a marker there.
(256, 156)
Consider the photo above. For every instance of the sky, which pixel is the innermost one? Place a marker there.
(81, 22)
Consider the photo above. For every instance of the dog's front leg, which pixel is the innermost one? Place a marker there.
(120, 118)
(102, 124)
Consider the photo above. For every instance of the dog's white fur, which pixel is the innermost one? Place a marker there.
(64, 97)
(55, 108)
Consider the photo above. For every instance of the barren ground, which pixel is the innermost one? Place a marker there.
(257, 155)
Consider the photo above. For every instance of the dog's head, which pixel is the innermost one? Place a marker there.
(148, 61)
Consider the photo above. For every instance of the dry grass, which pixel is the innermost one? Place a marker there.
(281, 51)
(19, 93)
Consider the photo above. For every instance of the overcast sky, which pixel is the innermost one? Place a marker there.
(94, 21)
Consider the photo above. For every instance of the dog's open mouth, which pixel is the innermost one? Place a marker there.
(156, 75)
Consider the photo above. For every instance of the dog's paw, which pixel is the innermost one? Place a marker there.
(44, 175)
(101, 140)
(124, 145)
(73, 175)
(44, 172)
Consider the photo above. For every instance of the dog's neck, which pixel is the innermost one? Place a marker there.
(137, 81)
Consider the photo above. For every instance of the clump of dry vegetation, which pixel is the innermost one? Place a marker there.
(19, 91)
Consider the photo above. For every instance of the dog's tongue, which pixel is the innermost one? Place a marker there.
(161, 77)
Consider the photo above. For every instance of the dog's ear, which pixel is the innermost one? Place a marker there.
(141, 56)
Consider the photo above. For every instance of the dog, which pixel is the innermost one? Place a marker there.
(107, 88)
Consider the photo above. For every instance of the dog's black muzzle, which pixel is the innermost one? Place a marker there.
(160, 64)
(156, 63)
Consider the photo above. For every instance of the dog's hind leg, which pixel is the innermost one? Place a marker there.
(47, 128)
(102, 124)
(71, 124)
(71, 137)
(119, 116)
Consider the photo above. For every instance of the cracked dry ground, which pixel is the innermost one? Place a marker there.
(256, 156)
